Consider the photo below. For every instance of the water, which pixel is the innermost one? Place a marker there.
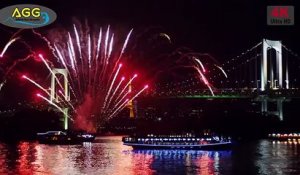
(109, 157)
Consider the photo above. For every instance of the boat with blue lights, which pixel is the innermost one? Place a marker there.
(187, 141)
(62, 137)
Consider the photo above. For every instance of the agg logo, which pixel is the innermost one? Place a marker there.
(26, 16)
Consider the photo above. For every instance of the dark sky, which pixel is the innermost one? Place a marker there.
(222, 28)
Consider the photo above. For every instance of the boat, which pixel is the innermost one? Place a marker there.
(62, 137)
(178, 142)
(285, 136)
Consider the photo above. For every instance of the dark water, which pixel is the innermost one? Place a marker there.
(109, 157)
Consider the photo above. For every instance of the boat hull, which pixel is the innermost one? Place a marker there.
(212, 146)
(64, 139)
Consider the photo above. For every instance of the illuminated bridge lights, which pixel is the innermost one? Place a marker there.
(216, 96)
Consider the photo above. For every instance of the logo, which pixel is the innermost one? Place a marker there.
(26, 16)
(280, 15)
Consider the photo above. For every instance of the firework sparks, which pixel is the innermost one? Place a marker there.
(125, 102)
(116, 89)
(166, 36)
(200, 63)
(99, 43)
(91, 60)
(204, 79)
(7, 45)
(224, 73)
(119, 108)
(125, 45)
(53, 104)
(45, 90)
(126, 86)
(36, 84)
(112, 83)
(122, 99)
(2, 84)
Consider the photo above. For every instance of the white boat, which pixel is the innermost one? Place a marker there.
(178, 142)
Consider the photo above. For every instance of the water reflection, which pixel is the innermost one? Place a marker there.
(17, 158)
(185, 161)
(285, 158)
(109, 157)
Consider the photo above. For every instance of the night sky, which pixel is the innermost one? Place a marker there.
(222, 28)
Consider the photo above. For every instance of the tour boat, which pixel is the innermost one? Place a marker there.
(178, 142)
(285, 136)
(62, 137)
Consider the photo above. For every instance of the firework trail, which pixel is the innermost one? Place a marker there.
(124, 45)
(171, 59)
(126, 86)
(7, 45)
(204, 79)
(50, 70)
(92, 61)
(125, 102)
(191, 62)
(53, 104)
(45, 90)
(36, 84)
(121, 100)
(200, 63)
(166, 36)
(2, 84)
(222, 70)
(94, 69)
(99, 42)
(119, 108)
(204, 72)
(14, 39)
(116, 89)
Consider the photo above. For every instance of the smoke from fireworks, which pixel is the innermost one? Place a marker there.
(95, 74)
(92, 61)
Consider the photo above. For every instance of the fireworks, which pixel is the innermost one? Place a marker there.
(175, 63)
(53, 104)
(95, 74)
(1, 85)
(198, 64)
(224, 73)
(7, 45)
(204, 71)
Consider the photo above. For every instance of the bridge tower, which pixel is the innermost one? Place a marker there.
(270, 74)
(53, 94)
(269, 71)
(130, 104)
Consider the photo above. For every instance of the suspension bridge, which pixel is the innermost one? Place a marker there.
(268, 73)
